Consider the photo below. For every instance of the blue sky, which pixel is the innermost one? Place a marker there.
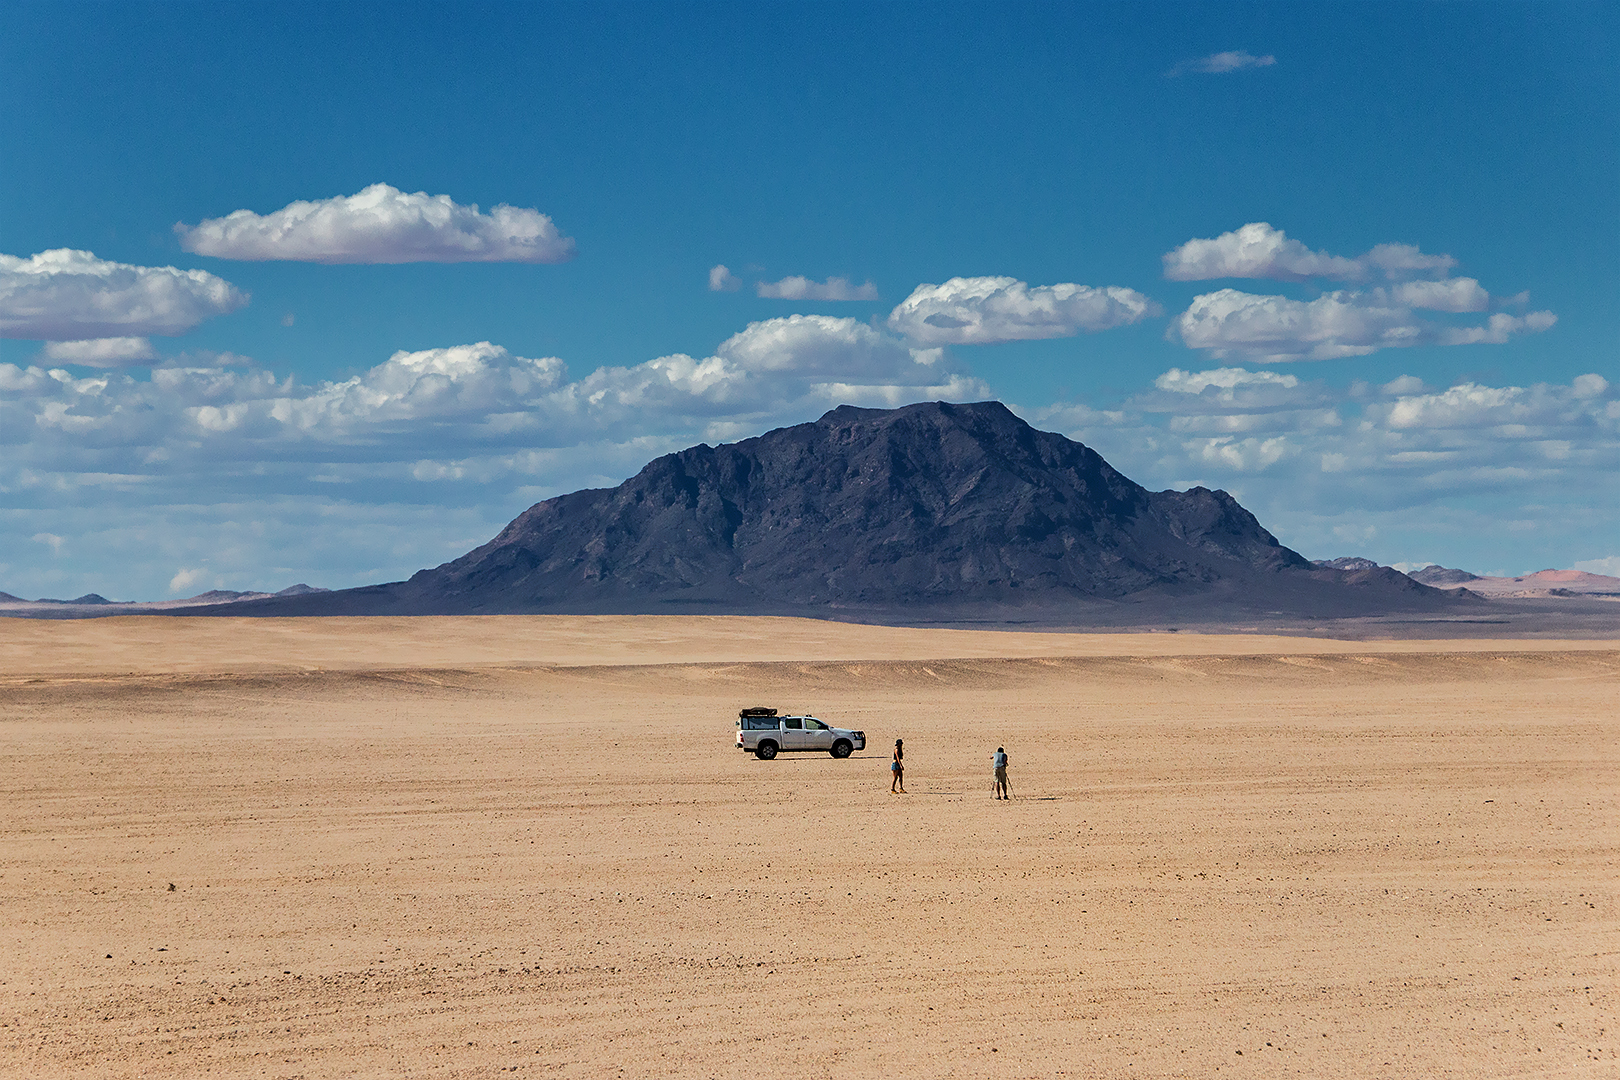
(1355, 264)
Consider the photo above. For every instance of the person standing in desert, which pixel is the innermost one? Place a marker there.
(897, 768)
(999, 762)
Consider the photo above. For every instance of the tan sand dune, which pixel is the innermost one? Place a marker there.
(461, 847)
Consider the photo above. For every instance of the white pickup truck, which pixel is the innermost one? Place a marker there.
(766, 734)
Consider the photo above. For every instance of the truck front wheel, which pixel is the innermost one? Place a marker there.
(842, 748)
(766, 751)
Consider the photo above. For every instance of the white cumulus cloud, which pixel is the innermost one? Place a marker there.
(1399, 261)
(1499, 329)
(260, 477)
(185, 579)
(1243, 455)
(1298, 447)
(429, 413)
(1257, 250)
(1222, 63)
(1453, 294)
(802, 288)
(69, 295)
(1476, 474)
(721, 279)
(1461, 406)
(381, 225)
(1224, 380)
(1229, 323)
(817, 345)
(986, 310)
(1590, 385)
(461, 383)
(775, 366)
(100, 352)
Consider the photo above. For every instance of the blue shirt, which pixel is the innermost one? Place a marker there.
(1000, 759)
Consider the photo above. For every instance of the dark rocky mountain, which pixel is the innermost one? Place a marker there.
(1440, 575)
(932, 512)
(301, 589)
(87, 598)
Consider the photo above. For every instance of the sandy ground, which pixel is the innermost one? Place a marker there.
(463, 847)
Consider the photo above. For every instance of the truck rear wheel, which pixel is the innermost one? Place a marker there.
(766, 751)
(842, 748)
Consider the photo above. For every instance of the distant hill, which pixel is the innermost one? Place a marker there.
(1346, 563)
(94, 604)
(932, 511)
(1543, 583)
(1441, 577)
(225, 596)
(229, 596)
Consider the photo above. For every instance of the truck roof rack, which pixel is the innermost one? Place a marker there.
(757, 710)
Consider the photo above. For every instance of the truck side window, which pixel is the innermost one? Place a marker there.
(793, 722)
(812, 724)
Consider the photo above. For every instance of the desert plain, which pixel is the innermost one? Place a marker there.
(465, 847)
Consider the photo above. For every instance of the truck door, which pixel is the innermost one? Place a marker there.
(793, 733)
(817, 736)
